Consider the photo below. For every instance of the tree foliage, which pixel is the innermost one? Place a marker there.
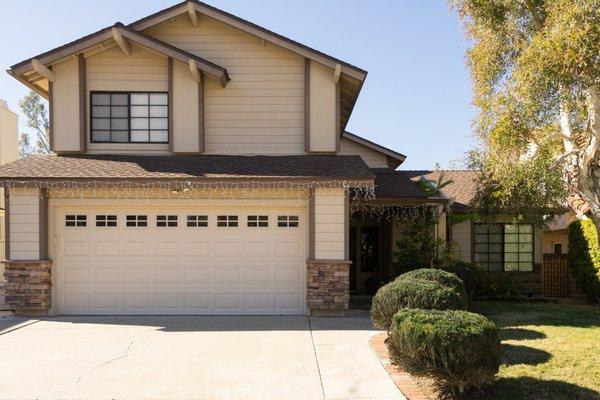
(535, 69)
(37, 119)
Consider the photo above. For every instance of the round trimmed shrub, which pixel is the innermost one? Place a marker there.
(412, 293)
(437, 275)
(458, 348)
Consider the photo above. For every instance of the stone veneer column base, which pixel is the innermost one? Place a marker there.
(328, 287)
(28, 286)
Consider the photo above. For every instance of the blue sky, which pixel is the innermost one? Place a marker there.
(417, 96)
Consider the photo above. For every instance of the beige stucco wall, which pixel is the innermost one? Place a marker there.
(461, 235)
(322, 108)
(24, 224)
(65, 106)
(112, 70)
(372, 158)
(186, 115)
(261, 111)
(330, 223)
(558, 236)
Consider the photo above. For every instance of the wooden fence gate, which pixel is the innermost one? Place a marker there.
(555, 276)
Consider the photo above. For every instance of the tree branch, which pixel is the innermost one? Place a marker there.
(537, 20)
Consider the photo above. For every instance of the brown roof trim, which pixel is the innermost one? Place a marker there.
(374, 146)
(250, 28)
(138, 37)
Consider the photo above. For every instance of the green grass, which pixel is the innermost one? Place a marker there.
(549, 351)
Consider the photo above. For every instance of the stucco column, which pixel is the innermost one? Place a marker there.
(328, 267)
(27, 272)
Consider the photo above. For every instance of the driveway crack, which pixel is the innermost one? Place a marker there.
(312, 339)
(105, 363)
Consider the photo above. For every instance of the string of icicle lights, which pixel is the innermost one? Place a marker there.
(137, 190)
(378, 212)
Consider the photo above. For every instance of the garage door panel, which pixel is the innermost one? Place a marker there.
(149, 270)
(136, 248)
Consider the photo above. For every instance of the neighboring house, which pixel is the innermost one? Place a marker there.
(9, 151)
(202, 167)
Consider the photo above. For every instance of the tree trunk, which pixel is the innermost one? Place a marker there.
(588, 162)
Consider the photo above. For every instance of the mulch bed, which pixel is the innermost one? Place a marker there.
(412, 388)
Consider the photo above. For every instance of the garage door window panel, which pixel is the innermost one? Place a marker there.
(227, 221)
(136, 221)
(258, 221)
(106, 220)
(166, 221)
(287, 221)
(75, 220)
(197, 221)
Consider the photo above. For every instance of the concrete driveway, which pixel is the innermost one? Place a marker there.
(191, 358)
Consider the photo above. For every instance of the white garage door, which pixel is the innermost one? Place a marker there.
(153, 260)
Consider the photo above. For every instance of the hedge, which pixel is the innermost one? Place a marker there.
(412, 293)
(458, 348)
(584, 257)
(437, 275)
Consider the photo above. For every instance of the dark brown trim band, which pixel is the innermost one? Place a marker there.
(307, 105)
(6, 224)
(171, 135)
(82, 103)
(43, 224)
(338, 133)
(201, 113)
(51, 116)
(311, 224)
(346, 226)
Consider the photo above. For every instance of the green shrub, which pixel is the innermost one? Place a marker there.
(584, 257)
(437, 275)
(412, 293)
(472, 275)
(458, 348)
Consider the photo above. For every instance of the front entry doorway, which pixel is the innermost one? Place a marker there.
(369, 241)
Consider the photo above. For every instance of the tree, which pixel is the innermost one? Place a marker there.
(37, 119)
(535, 71)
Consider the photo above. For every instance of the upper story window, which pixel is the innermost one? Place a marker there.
(129, 117)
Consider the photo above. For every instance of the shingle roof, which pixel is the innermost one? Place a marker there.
(316, 167)
(396, 184)
(460, 191)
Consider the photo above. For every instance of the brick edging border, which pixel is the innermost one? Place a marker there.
(403, 380)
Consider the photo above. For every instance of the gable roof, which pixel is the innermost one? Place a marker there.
(398, 158)
(350, 82)
(460, 191)
(86, 42)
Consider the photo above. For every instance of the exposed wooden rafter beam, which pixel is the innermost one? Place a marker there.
(194, 70)
(336, 73)
(193, 15)
(116, 33)
(42, 70)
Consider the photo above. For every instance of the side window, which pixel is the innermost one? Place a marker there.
(199, 221)
(136, 220)
(229, 221)
(166, 220)
(287, 221)
(78, 220)
(261, 221)
(106, 220)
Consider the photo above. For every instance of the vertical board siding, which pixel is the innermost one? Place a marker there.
(65, 130)
(24, 224)
(330, 220)
(372, 158)
(461, 234)
(261, 111)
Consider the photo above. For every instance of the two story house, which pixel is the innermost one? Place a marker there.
(201, 166)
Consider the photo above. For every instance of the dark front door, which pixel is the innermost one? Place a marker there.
(364, 252)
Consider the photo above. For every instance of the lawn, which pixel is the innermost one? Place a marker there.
(549, 351)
